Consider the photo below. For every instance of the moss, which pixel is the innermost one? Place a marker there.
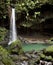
(42, 56)
(5, 57)
(45, 57)
(48, 58)
(50, 41)
(48, 51)
(7, 61)
(16, 47)
(14, 57)
(47, 54)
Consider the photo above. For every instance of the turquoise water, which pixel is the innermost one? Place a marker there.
(36, 47)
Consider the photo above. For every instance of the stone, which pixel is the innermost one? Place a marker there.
(42, 62)
(34, 56)
(49, 63)
(23, 58)
(28, 55)
(14, 57)
(1, 63)
(16, 47)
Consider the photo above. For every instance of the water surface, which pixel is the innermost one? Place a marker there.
(37, 47)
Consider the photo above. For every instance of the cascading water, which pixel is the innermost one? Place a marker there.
(13, 34)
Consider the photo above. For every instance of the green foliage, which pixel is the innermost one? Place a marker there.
(16, 47)
(4, 57)
(3, 10)
(25, 9)
(29, 7)
(3, 32)
(26, 6)
(50, 1)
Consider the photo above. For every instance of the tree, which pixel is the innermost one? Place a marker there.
(25, 9)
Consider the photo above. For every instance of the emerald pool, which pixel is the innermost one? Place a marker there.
(36, 47)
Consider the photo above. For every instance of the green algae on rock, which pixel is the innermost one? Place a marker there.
(48, 50)
(16, 47)
(47, 54)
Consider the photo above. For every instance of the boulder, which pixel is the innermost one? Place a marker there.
(16, 47)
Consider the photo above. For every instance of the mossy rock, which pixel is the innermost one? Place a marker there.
(50, 41)
(14, 57)
(23, 58)
(47, 54)
(5, 58)
(16, 47)
(48, 51)
(42, 56)
(45, 57)
(48, 58)
(37, 60)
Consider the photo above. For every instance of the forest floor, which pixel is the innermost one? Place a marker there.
(36, 37)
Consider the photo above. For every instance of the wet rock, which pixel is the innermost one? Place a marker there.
(14, 57)
(28, 55)
(25, 63)
(35, 52)
(31, 52)
(49, 63)
(45, 63)
(1, 63)
(23, 58)
(42, 62)
(18, 63)
(31, 61)
(0, 58)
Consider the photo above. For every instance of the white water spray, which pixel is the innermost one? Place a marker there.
(13, 33)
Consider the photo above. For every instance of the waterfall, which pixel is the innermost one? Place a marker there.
(13, 34)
